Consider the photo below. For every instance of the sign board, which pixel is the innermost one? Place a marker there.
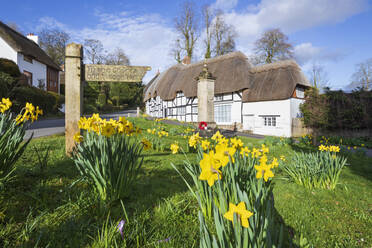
(115, 73)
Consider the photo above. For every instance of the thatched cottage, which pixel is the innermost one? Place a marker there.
(262, 99)
(32, 61)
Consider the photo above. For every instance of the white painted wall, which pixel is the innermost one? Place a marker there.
(295, 107)
(252, 112)
(38, 70)
(7, 51)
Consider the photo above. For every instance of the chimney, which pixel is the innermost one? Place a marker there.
(33, 37)
(186, 60)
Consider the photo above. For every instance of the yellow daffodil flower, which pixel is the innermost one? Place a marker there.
(263, 170)
(282, 158)
(241, 211)
(217, 136)
(236, 143)
(245, 151)
(274, 163)
(174, 148)
(256, 153)
(146, 144)
(78, 138)
(205, 144)
(210, 168)
(264, 149)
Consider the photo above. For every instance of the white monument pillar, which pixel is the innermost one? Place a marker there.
(206, 96)
(73, 92)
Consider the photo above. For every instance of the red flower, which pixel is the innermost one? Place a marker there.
(203, 125)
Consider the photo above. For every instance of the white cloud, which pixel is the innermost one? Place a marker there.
(145, 39)
(292, 15)
(225, 4)
(306, 52)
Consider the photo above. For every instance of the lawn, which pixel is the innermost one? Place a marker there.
(48, 206)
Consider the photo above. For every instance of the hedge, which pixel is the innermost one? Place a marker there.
(9, 67)
(49, 102)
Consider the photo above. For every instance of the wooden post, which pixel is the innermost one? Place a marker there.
(73, 92)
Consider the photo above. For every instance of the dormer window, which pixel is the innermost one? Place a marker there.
(27, 58)
(300, 92)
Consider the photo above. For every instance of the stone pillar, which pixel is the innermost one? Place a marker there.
(206, 96)
(73, 92)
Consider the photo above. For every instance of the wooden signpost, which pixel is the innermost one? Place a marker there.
(76, 72)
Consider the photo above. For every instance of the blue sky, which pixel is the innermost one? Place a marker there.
(334, 33)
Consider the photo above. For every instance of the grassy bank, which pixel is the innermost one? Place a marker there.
(49, 205)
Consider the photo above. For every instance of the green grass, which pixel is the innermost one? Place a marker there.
(51, 207)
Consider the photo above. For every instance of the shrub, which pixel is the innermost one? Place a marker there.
(46, 100)
(316, 170)
(9, 67)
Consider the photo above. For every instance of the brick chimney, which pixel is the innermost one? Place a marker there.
(186, 60)
(33, 37)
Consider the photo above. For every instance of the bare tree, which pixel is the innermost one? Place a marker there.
(53, 42)
(223, 35)
(93, 51)
(362, 77)
(272, 46)
(207, 21)
(186, 25)
(177, 51)
(117, 57)
(318, 76)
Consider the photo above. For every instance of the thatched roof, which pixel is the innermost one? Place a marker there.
(233, 72)
(275, 81)
(22, 44)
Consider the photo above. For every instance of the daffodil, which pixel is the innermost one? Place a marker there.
(210, 168)
(226, 151)
(5, 104)
(78, 138)
(256, 153)
(264, 149)
(217, 136)
(241, 212)
(146, 144)
(236, 143)
(282, 157)
(274, 163)
(174, 148)
(108, 130)
(205, 144)
(245, 151)
(194, 140)
(263, 170)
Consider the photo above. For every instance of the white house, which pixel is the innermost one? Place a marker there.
(262, 99)
(32, 61)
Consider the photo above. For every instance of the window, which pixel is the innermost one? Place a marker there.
(27, 58)
(28, 76)
(222, 113)
(300, 93)
(269, 121)
(194, 109)
(181, 110)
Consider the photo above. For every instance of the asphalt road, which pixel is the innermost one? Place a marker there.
(57, 126)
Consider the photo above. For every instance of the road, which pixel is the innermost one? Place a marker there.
(56, 126)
